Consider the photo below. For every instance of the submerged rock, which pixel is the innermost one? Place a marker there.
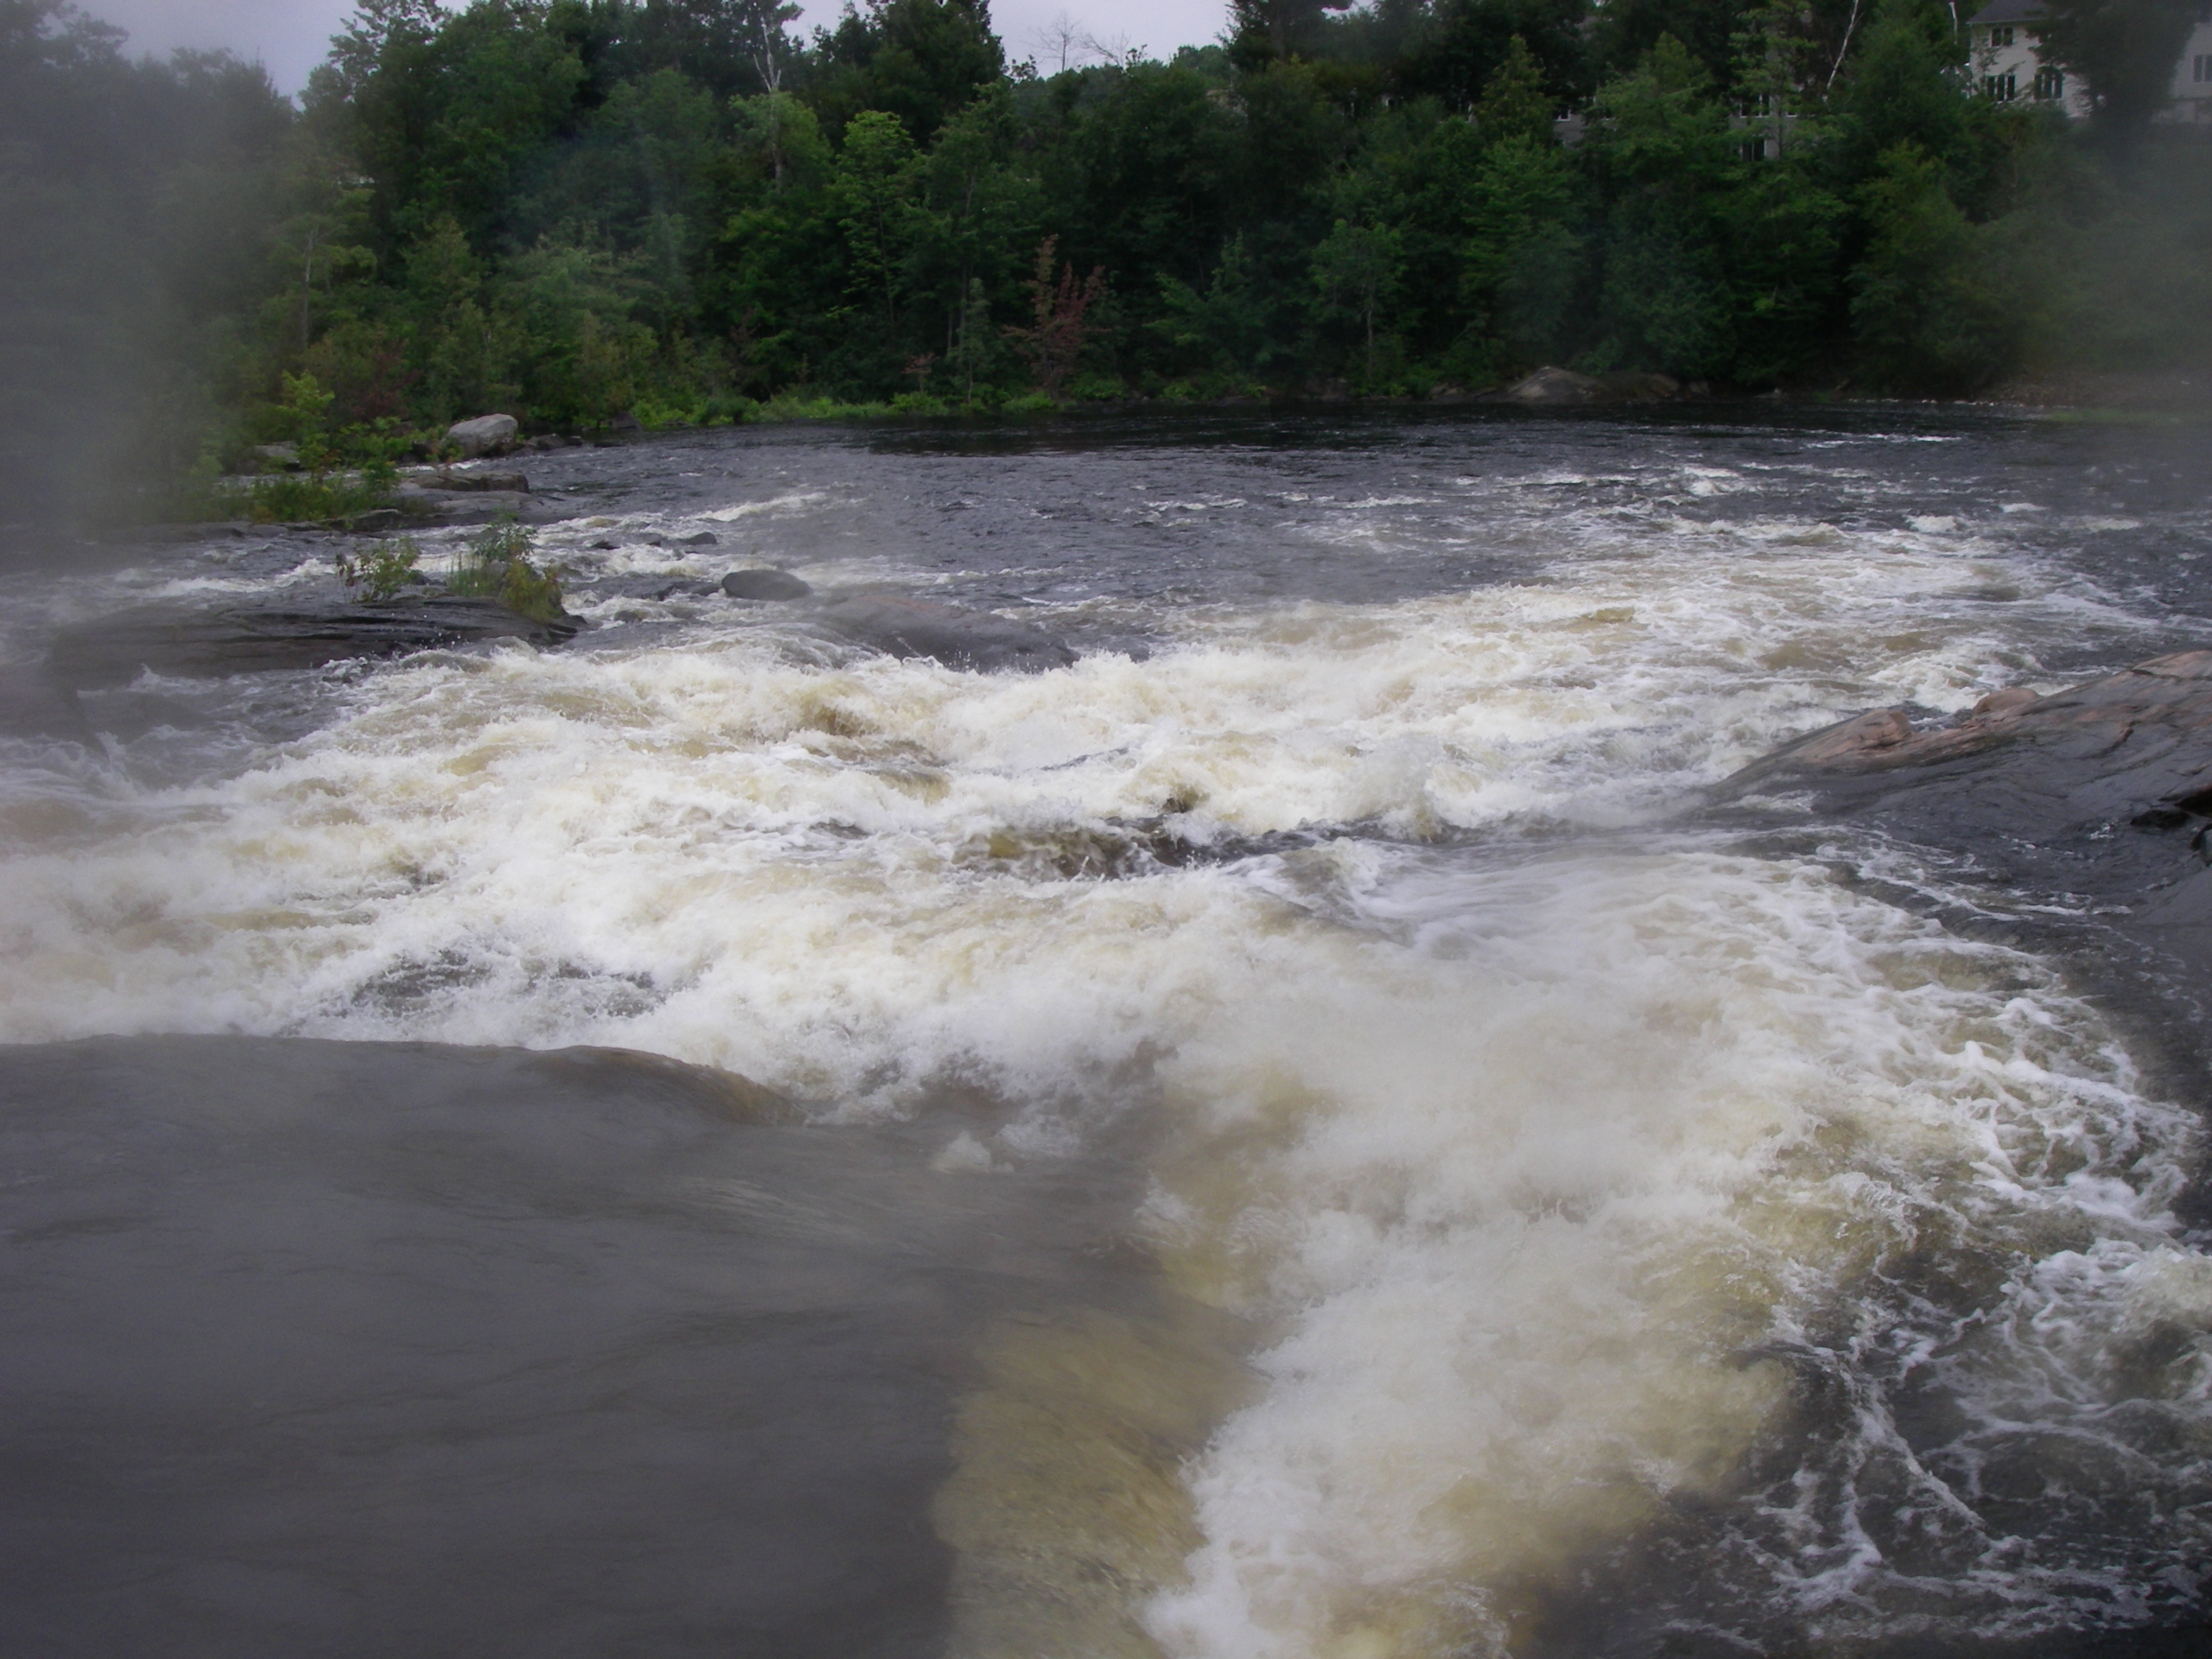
(764, 584)
(973, 639)
(201, 644)
(487, 435)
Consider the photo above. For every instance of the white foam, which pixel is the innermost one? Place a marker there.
(1548, 1168)
(1535, 1213)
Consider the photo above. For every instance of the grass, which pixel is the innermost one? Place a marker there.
(292, 498)
(497, 565)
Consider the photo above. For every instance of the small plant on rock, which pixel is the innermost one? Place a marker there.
(384, 571)
(497, 565)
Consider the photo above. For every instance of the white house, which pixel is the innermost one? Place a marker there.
(2008, 65)
(2192, 75)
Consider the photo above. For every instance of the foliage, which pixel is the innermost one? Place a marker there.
(383, 572)
(1057, 331)
(497, 565)
(577, 210)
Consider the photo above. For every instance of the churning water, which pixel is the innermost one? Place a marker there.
(1304, 1146)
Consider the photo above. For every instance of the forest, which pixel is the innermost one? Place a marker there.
(597, 212)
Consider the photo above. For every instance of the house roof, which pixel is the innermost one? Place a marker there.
(2009, 11)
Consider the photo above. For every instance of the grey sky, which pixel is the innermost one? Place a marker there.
(290, 36)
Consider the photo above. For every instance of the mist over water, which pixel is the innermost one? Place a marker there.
(1517, 1213)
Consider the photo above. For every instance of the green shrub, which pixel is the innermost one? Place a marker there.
(298, 498)
(497, 565)
(381, 572)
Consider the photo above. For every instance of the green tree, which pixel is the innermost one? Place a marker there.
(921, 60)
(1224, 328)
(1925, 312)
(875, 185)
(1664, 156)
(1356, 270)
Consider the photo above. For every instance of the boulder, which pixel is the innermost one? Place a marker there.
(2099, 796)
(1551, 386)
(973, 640)
(487, 435)
(763, 584)
(276, 458)
(699, 538)
(2146, 731)
(204, 644)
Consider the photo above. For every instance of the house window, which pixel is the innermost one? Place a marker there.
(2201, 68)
(2051, 83)
(2000, 36)
(2002, 88)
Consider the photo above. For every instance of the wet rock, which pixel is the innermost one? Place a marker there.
(2146, 728)
(1556, 386)
(974, 640)
(699, 538)
(376, 522)
(487, 435)
(2005, 701)
(204, 644)
(2092, 791)
(458, 506)
(764, 584)
(515, 483)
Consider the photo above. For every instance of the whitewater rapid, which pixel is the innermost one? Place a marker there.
(1570, 1183)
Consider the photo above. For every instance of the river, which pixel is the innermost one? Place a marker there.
(1299, 1136)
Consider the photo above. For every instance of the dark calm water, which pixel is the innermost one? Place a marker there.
(1299, 1137)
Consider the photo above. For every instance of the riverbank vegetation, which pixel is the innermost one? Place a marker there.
(587, 212)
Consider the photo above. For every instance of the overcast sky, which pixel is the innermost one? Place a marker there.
(290, 36)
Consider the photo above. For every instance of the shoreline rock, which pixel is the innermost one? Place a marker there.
(1554, 387)
(487, 435)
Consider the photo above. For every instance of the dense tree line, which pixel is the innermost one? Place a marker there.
(579, 209)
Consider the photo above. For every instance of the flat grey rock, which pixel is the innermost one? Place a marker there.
(973, 639)
(207, 644)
